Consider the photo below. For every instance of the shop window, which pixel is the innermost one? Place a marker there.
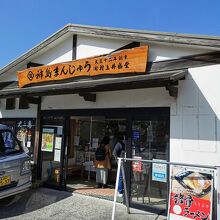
(150, 141)
(24, 129)
(25, 132)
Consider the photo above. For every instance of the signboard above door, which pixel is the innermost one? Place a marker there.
(121, 62)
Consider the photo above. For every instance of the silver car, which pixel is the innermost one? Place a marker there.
(15, 167)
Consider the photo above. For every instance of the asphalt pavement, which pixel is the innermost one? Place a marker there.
(44, 203)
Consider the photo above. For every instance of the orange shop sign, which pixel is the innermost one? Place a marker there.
(125, 61)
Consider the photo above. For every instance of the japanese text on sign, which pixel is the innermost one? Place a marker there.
(126, 61)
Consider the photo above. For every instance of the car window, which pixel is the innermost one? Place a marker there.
(8, 143)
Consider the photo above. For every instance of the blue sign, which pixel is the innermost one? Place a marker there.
(135, 135)
(159, 171)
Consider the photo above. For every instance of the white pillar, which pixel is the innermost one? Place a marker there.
(116, 188)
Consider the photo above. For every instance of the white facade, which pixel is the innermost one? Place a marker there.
(195, 127)
(195, 114)
(154, 97)
(17, 113)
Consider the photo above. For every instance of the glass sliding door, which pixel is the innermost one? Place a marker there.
(150, 141)
(86, 133)
(145, 130)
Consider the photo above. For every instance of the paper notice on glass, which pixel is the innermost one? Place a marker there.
(76, 140)
(28, 144)
(137, 165)
(57, 155)
(95, 142)
(47, 139)
(58, 142)
(159, 171)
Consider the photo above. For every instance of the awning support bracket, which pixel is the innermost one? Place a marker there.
(173, 90)
(88, 97)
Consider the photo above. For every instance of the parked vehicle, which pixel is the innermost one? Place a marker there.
(15, 167)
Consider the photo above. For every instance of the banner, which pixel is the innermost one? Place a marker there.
(191, 191)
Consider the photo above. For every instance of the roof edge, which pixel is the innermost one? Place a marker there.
(149, 36)
(129, 34)
(197, 36)
(35, 49)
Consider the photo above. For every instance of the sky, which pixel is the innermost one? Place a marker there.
(25, 23)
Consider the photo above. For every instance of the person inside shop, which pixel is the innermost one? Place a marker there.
(103, 162)
(119, 151)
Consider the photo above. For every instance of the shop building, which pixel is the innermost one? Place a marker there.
(168, 111)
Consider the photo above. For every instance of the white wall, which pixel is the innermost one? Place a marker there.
(155, 97)
(60, 53)
(17, 113)
(94, 46)
(86, 47)
(159, 52)
(195, 126)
